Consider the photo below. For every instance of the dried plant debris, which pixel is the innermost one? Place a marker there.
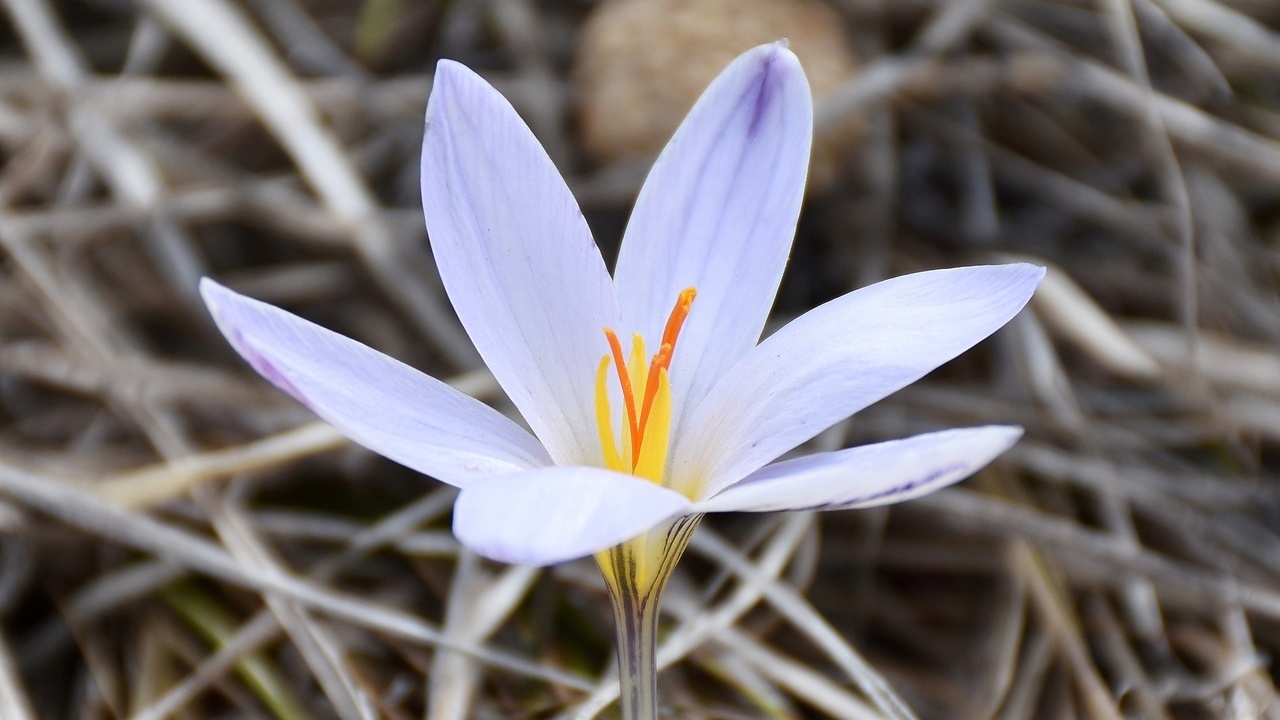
(179, 540)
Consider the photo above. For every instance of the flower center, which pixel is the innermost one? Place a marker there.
(646, 399)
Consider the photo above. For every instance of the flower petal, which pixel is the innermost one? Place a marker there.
(867, 476)
(516, 259)
(718, 212)
(376, 401)
(550, 515)
(838, 358)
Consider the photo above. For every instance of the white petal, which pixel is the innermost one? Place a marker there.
(718, 212)
(516, 259)
(837, 359)
(868, 476)
(376, 401)
(550, 515)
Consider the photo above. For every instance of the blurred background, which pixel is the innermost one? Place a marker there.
(177, 539)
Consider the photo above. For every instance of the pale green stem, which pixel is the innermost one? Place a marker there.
(637, 624)
(636, 573)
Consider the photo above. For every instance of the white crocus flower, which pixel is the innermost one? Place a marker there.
(650, 397)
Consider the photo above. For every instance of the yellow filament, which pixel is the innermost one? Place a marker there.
(638, 367)
(657, 435)
(604, 419)
(628, 453)
(646, 399)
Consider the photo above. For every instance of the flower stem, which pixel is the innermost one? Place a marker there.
(637, 626)
(636, 573)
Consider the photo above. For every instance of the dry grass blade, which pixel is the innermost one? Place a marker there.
(1050, 604)
(14, 704)
(479, 606)
(1228, 25)
(321, 650)
(153, 485)
(59, 500)
(802, 615)
(131, 174)
(1070, 311)
(230, 42)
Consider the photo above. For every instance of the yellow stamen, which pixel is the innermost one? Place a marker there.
(652, 460)
(660, 363)
(646, 433)
(628, 443)
(638, 366)
(604, 419)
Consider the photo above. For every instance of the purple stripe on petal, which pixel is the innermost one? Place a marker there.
(901, 489)
(768, 92)
(372, 399)
(516, 259)
(259, 362)
(840, 357)
(718, 213)
(867, 476)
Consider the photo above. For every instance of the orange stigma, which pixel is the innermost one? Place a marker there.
(628, 395)
(652, 382)
(662, 359)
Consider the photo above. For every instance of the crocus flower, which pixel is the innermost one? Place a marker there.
(648, 395)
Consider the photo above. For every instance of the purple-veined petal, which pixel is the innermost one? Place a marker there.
(838, 358)
(718, 212)
(550, 515)
(376, 401)
(517, 260)
(867, 476)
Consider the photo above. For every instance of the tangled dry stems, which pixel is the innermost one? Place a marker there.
(178, 540)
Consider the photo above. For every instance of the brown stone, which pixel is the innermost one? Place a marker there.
(642, 63)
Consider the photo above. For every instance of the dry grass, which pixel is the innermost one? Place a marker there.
(178, 540)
